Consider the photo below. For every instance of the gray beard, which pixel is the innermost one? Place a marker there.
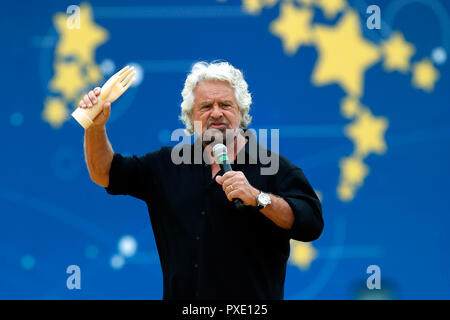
(215, 136)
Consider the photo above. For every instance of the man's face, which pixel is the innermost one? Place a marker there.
(216, 108)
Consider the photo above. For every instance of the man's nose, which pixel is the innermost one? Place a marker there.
(216, 112)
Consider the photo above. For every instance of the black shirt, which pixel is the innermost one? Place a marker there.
(207, 248)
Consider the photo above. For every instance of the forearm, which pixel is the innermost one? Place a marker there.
(279, 212)
(98, 153)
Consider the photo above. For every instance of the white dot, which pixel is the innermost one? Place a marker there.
(117, 261)
(139, 77)
(107, 66)
(439, 55)
(16, 119)
(27, 262)
(127, 246)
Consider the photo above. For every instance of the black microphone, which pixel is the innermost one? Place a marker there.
(220, 152)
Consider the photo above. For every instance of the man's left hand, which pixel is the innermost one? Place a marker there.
(236, 186)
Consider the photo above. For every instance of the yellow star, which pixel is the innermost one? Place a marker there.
(353, 170)
(293, 27)
(55, 112)
(252, 6)
(345, 191)
(82, 42)
(331, 7)
(350, 107)
(306, 2)
(397, 53)
(367, 133)
(425, 75)
(68, 80)
(302, 254)
(344, 55)
(269, 3)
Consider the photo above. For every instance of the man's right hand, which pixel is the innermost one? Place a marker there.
(90, 100)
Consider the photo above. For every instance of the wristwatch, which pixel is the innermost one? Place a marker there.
(263, 200)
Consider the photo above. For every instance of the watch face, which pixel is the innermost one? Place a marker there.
(264, 199)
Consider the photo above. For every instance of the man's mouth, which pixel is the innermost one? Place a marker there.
(218, 125)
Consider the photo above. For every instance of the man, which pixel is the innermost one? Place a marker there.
(207, 247)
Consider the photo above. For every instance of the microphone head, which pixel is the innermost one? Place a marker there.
(220, 153)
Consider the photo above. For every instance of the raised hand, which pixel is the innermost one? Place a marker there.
(95, 107)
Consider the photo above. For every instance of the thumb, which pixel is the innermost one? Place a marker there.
(219, 179)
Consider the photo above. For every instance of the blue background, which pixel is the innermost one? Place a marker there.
(53, 215)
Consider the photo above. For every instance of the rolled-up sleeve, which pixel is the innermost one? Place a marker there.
(130, 176)
(295, 189)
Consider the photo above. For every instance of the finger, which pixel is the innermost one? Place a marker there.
(87, 101)
(123, 69)
(229, 174)
(93, 97)
(239, 173)
(235, 176)
(82, 104)
(125, 74)
(235, 194)
(97, 91)
(219, 179)
(236, 186)
(226, 184)
(128, 77)
(230, 181)
(128, 84)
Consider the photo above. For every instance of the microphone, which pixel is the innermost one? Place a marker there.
(220, 153)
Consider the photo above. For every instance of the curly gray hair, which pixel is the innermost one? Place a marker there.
(222, 71)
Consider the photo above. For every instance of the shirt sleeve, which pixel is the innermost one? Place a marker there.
(131, 176)
(295, 189)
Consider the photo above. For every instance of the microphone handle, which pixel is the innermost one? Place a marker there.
(225, 166)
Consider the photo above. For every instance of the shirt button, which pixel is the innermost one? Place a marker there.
(195, 266)
(203, 213)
